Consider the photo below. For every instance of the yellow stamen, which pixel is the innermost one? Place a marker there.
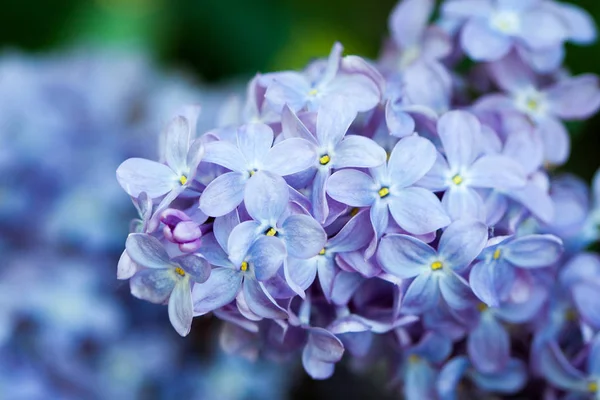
(571, 315)
(387, 155)
(533, 104)
(183, 179)
(482, 307)
(244, 266)
(413, 358)
(313, 92)
(593, 387)
(180, 271)
(354, 211)
(436, 265)
(497, 254)
(383, 192)
(322, 252)
(324, 160)
(252, 172)
(271, 232)
(457, 179)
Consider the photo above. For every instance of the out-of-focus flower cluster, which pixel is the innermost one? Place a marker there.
(68, 329)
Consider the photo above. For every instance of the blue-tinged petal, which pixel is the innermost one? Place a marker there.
(482, 43)
(355, 261)
(587, 301)
(356, 91)
(266, 255)
(433, 347)
(437, 177)
(260, 301)
(463, 203)
(593, 361)
(225, 154)
(458, 131)
(379, 215)
(153, 285)
(289, 88)
(223, 226)
(450, 376)
(292, 127)
(419, 380)
(510, 380)
(352, 187)
(304, 237)
(213, 252)
(327, 272)
(314, 367)
(358, 151)
(462, 242)
(511, 74)
(558, 371)
(333, 63)
(541, 29)
(417, 210)
(197, 267)
(147, 251)
(536, 199)
(333, 120)
(244, 309)
(344, 286)
(428, 84)
(581, 25)
(266, 197)
(301, 272)
(223, 194)
(325, 346)
(177, 142)
(408, 21)
(575, 98)
(254, 141)
(318, 199)
(404, 256)
(290, 156)
(422, 294)
(557, 143)
(467, 8)
(498, 172)
(533, 251)
(354, 235)
(399, 122)
(241, 239)
(126, 268)
(455, 290)
(411, 159)
(488, 345)
(181, 310)
(489, 280)
(137, 175)
(194, 157)
(220, 289)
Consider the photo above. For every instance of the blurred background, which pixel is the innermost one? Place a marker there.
(85, 85)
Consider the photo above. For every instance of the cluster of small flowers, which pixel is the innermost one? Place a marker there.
(397, 211)
(66, 332)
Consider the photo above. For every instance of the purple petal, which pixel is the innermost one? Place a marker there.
(458, 131)
(333, 63)
(293, 127)
(266, 254)
(489, 280)
(194, 157)
(220, 289)
(534, 251)
(223, 194)
(587, 302)
(428, 84)
(288, 88)
(463, 203)
(404, 256)
(260, 301)
(213, 252)
(223, 226)
(353, 236)
(437, 178)
(225, 154)
(290, 156)
(356, 91)
(422, 294)
(467, 8)
(344, 286)
(379, 216)
(496, 172)
(327, 273)
(511, 73)
(153, 285)
(455, 290)
(301, 272)
(419, 380)
(557, 143)
(198, 268)
(358, 151)
(352, 187)
(510, 380)
(254, 141)
(314, 367)
(450, 376)
(408, 21)
(177, 143)
(488, 345)
(137, 175)
(437, 44)
(593, 364)
(181, 310)
(333, 120)
(575, 98)
(325, 346)
(147, 251)
(266, 197)
(418, 211)
(398, 121)
(482, 43)
(240, 240)
(411, 159)
(541, 29)
(318, 199)
(558, 371)
(304, 237)
(545, 60)
(536, 199)
(582, 28)
(126, 268)
(526, 148)
(462, 242)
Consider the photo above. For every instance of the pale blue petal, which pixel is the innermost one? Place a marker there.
(575, 98)
(587, 302)
(458, 131)
(223, 194)
(534, 251)
(510, 380)
(318, 198)
(417, 210)
(137, 175)
(147, 251)
(301, 272)
(488, 345)
(352, 187)
(333, 120)
(327, 273)
(496, 172)
(314, 367)
(304, 237)
(254, 141)
(213, 252)
(455, 290)
(450, 376)
(267, 255)
(220, 289)
(241, 239)
(593, 363)
(557, 369)
(225, 154)
(541, 29)
(177, 142)
(408, 21)
(354, 235)
(419, 380)
(181, 310)
(411, 159)
(404, 256)
(462, 242)
(489, 280)
(463, 203)
(197, 267)
(290, 156)
(482, 43)
(266, 197)
(260, 302)
(288, 88)
(126, 268)
(223, 226)
(358, 151)
(422, 294)
(153, 285)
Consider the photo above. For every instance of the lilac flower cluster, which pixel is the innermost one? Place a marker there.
(399, 212)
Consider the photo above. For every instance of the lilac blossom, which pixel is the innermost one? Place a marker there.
(166, 279)
(252, 151)
(434, 271)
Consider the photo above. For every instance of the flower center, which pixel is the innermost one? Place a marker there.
(436, 265)
(271, 232)
(180, 271)
(457, 179)
(252, 171)
(507, 22)
(593, 387)
(322, 252)
(354, 211)
(324, 160)
(384, 192)
(497, 254)
(244, 266)
(482, 307)
(413, 358)
(183, 180)
(313, 92)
